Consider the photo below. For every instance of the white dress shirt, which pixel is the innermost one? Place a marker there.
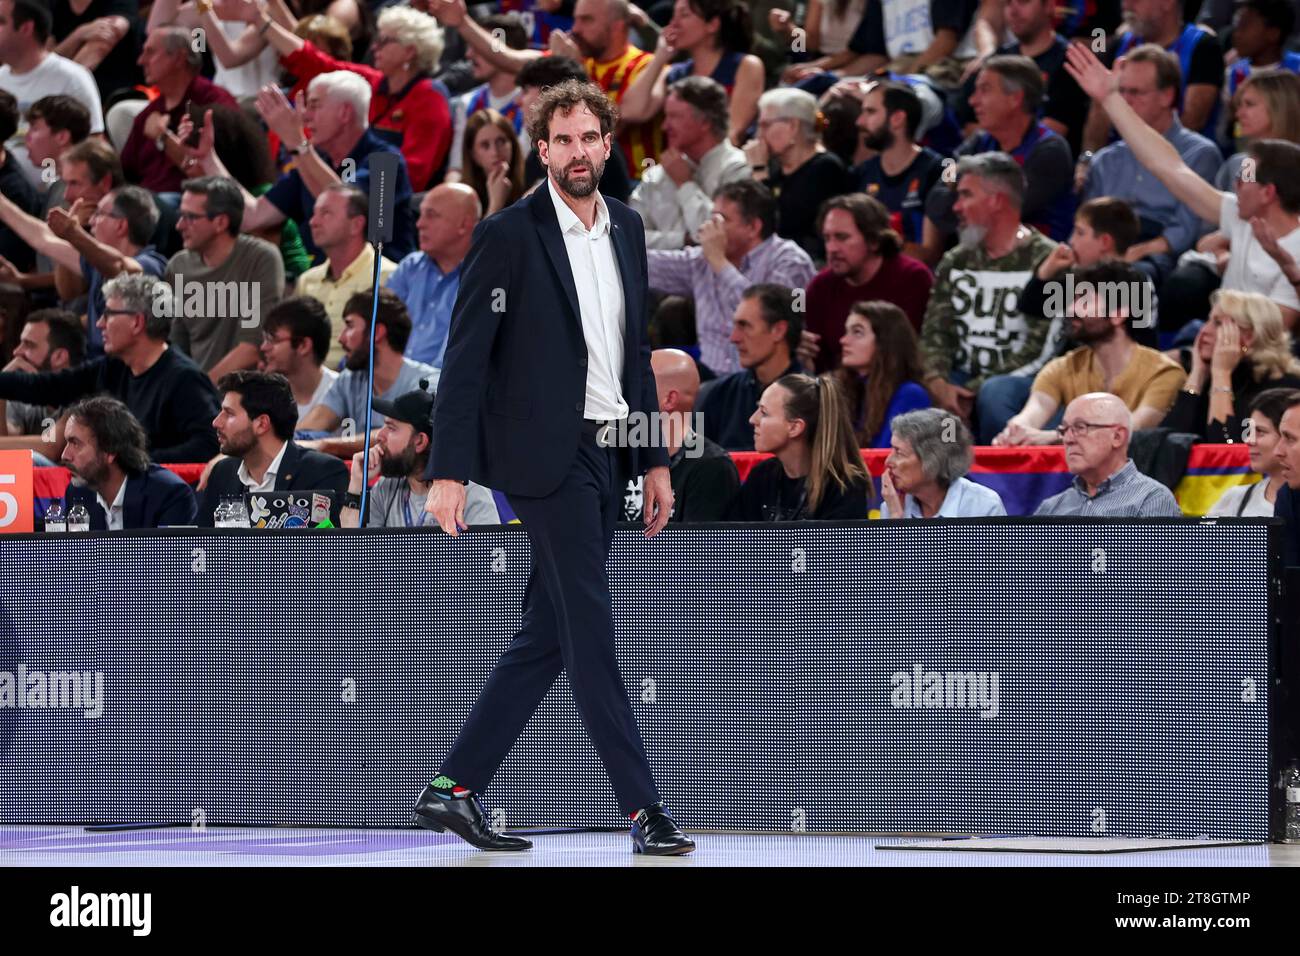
(600, 301)
(113, 512)
(268, 480)
(670, 211)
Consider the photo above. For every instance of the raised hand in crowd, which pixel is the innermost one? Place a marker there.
(561, 44)
(283, 118)
(65, 222)
(1057, 261)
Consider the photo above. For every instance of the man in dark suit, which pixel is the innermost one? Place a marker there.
(547, 354)
(108, 454)
(255, 427)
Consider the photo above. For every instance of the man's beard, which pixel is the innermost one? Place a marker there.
(971, 235)
(237, 446)
(93, 477)
(1086, 336)
(358, 358)
(581, 189)
(880, 140)
(398, 466)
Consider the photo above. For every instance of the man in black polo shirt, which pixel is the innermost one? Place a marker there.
(703, 476)
(765, 330)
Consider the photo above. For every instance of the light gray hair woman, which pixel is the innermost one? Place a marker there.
(925, 474)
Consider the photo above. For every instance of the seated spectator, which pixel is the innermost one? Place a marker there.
(149, 158)
(494, 165)
(117, 243)
(51, 341)
(1162, 22)
(497, 89)
(1259, 500)
(295, 340)
(103, 36)
(16, 189)
(428, 280)
(816, 473)
(880, 370)
(544, 71)
(1032, 24)
(255, 426)
(399, 456)
(1007, 95)
(1103, 229)
(790, 159)
(54, 125)
(703, 476)
(716, 36)
(737, 249)
(242, 62)
(335, 109)
(344, 405)
(167, 393)
(1288, 497)
(339, 224)
(902, 173)
(1096, 431)
(228, 281)
(404, 107)
(112, 476)
(925, 473)
(863, 262)
(1260, 31)
(1106, 360)
(935, 38)
(30, 70)
(1261, 222)
(1267, 106)
(973, 324)
(674, 198)
(765, 332)
(1241, 351)
(1149, 81)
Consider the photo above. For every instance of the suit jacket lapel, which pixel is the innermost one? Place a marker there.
(288, 466)
(133, 502)
(632, 303)
(548, 228)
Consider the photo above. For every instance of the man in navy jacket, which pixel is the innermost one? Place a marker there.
(108, 455)
(547, 355)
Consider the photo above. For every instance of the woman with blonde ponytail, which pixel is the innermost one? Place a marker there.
(816, 473)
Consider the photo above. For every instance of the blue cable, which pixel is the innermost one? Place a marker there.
(370, 388)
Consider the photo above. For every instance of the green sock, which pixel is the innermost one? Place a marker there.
(448, 788)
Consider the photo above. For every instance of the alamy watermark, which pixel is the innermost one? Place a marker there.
(222, 300)
(919, 689)
(1135, 299)
(646, 430)
(53, 690)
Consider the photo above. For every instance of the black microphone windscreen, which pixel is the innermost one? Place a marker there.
(383, 190)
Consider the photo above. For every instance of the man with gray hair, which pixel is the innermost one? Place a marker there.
(150, 158)
(973, 326)
(1096, 431)
(223, 282)
(675, 198)
(167, 393)
(336, 108)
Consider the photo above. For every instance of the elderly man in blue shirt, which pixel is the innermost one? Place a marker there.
(427, 280)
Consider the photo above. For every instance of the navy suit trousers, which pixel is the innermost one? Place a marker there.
(567, 624)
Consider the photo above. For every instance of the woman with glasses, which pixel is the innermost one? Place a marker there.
(405, 107)
(816, 473)
(925, 474)
(1241, 351)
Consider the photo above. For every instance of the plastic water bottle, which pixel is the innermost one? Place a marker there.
(1292, 783)
(78, 518)
(239, 513)
(221, 517)
(54, 520)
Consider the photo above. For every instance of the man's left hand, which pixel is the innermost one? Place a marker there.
(657, 492)
(282, 119)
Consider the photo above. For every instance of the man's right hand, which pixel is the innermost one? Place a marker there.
(446, 502)
(1057, 261)
(809, 348)
(954, 398)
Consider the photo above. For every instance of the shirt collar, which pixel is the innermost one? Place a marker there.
(765, 244)
(272, 470)
(117, 501)
(569, 220)
(363, 263)
(1119, 477)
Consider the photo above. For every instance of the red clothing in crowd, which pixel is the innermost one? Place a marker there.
(902, 280)
(416, 119)
(142, 162)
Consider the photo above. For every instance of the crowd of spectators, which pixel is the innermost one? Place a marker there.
(919, 225)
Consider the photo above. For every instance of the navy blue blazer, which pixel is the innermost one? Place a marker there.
(156, 498)
(509, 408)
(301, 469)
(1288, 508)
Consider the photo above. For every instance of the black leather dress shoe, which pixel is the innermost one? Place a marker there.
(464, 817)
(656, 834)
